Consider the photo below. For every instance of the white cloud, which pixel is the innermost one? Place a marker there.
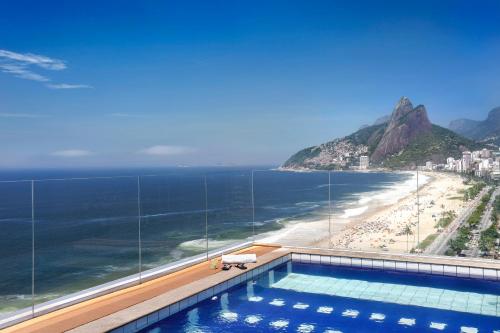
(34, 59)
(20, 65)
(20, 115)
(68, 86)
(162, 150)
(20, 71)
(72, 153)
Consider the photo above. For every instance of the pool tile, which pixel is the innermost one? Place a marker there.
(389, 265)
(400, 266)
(325, 260)
(130, 327)
(153, 317)
(164, 313)
(356, 262)
(393, 293)
(367, 263)
(142, 322)
(117, 330)
(437, 269)
(462, 271)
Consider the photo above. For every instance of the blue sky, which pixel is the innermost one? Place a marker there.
(151, 83)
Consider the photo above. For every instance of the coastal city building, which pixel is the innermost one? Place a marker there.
(481, 163)
(364, 162)
(466, 161)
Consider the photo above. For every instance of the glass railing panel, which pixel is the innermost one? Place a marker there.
(292, 208)
(229, 208)
(86, 234)
(15, 246)
(172, 218)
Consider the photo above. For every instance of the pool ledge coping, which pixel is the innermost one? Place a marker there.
(160, 305)
(138, 316)
(149, 312)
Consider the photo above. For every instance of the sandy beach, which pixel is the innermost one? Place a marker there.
(378, 221)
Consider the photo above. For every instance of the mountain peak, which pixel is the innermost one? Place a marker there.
(406, 124)
(403, 101)
(402, 108)
(486, 131)
(406, 140)
(494, 114)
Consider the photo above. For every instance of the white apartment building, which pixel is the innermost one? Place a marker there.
(466, 161)
(364, 162)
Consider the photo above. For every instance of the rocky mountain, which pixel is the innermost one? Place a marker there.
(405, 125)
(379, 121)
(486, 131)
(407, 139)
(382, 120)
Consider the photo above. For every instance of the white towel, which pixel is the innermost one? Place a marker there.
(239, 258)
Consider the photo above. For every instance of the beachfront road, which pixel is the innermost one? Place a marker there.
(485, 221)
(440, 244)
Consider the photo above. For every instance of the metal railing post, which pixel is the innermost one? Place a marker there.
(206, 215)
(253, 206)
(139, 220)
(33, 248)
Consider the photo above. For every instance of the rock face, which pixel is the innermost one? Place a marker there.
(406, 124)
(487, 131)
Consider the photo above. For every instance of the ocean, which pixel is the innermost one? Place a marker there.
(86, 222)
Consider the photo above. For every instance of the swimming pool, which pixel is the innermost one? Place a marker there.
(299, 297)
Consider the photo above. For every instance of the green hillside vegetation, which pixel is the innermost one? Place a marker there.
(435, 146)
(302, 155)
(369, 136)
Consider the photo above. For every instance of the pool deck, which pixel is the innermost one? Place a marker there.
(113, 310)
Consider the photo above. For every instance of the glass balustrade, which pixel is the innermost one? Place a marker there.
(86, 234)
(91, 231)
(172, 218)
(16, 246)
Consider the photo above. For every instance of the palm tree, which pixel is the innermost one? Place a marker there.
(407, 231)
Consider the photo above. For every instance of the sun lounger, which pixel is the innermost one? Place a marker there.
(238, 259)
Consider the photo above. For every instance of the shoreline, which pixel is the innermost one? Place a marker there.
(380, 223)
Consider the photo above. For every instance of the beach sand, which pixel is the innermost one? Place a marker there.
(379, 224)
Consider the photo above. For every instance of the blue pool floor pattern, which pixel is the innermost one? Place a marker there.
(265, 305)
(472, 302)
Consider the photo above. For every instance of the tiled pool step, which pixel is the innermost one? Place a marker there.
(485, 304)
(398, 265)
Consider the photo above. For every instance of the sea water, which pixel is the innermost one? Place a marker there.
(86, 222)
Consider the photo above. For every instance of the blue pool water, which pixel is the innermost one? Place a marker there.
(297, 297)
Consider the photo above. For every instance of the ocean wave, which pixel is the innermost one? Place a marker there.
(352, 212)
(199, 244)
(386, 194)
